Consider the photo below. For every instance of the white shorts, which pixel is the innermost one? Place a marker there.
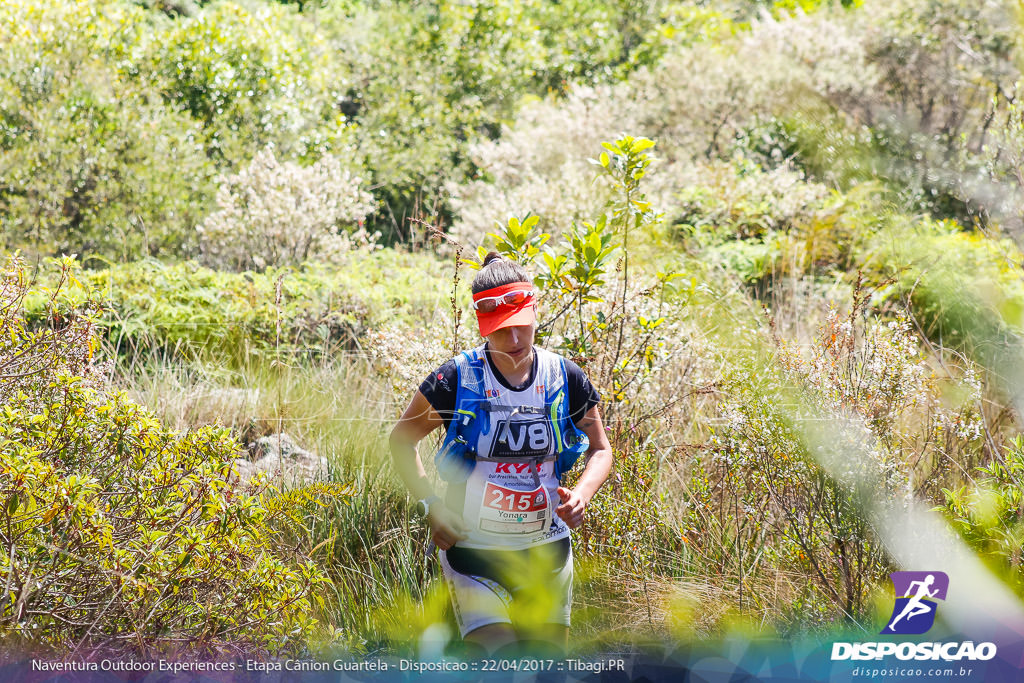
(531, 586)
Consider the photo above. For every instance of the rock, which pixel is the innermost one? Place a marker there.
(229, 406)
(285, 462)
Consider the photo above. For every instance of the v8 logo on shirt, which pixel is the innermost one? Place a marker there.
(521, 438)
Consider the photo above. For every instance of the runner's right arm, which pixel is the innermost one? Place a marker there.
(418, 420)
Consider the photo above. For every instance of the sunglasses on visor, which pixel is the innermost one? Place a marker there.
(490, 304)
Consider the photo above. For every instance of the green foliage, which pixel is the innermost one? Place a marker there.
(518, 241)
(117, 532)
(753, 260)
(358, 527)
(591, 248)
(682, 23)
(627, 524)
(218, 66)
(988, 512)
(427, 80)
(741, 200)
(590, 324)
(963, 288)
(114, 123)
(902, 159)
(195, 310)
(118, 121)
(251, 78)
(88, 163)
(783, 7)
(946, 80)
(766, 226)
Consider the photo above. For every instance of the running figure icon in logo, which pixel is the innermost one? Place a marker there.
(914, 610)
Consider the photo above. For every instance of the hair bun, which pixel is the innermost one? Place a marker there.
(491, 256)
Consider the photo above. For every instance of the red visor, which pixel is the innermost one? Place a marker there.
(505, 315)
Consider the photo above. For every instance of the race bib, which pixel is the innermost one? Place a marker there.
(508, 511)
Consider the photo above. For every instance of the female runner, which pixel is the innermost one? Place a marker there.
(516, 418)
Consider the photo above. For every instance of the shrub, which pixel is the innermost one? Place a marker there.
(117, 533)
(880, 94)
(274, 214)
(765, 226)
(90, 165)
(922, 106)
(949, 75)
(763, 500)
(538, 166)
(252, 78)
(741, 200)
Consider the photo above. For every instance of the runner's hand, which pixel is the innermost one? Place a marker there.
(446, 527)
(571, 509)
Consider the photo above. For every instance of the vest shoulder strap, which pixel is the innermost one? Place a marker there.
(470, 365)
(454, 459)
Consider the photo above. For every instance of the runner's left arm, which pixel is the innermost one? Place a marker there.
(599, 464)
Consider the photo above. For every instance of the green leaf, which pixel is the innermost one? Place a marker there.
(640, 144)
(184, 559)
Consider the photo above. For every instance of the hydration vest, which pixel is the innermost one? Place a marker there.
(474, 410)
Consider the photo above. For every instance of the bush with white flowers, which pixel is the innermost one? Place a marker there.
(275, 213)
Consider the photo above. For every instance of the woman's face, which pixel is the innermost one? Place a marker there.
(514, 342)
